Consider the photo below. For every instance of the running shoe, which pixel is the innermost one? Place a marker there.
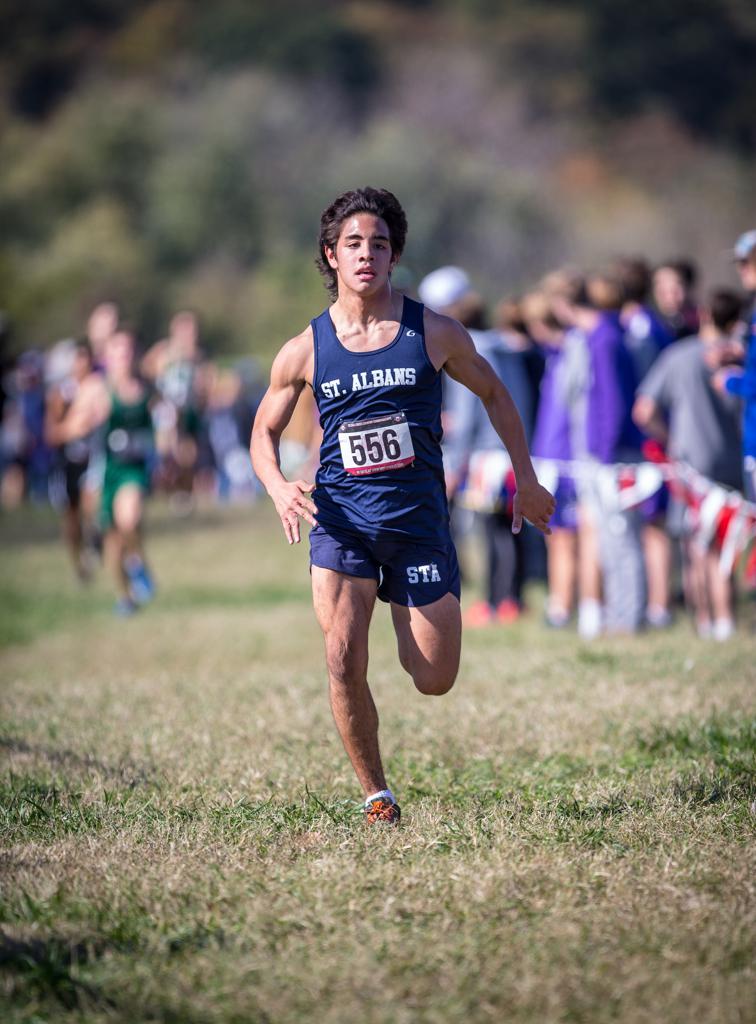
(141, 584)
(382, 811)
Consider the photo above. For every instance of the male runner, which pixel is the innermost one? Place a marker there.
(119, 403)
(79, 511)
(373, 360)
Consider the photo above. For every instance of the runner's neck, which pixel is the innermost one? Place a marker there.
(352, 311)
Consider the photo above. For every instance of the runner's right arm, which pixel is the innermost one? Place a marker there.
(292, 369)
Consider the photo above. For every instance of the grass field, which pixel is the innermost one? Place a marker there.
(181, 839)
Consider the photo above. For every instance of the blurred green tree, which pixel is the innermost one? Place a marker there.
(170, 153)
(45, 44)
(697, 58)
(296, 37)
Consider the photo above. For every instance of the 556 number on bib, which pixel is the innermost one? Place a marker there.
(375, 446)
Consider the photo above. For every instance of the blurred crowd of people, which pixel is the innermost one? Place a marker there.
(638, 398)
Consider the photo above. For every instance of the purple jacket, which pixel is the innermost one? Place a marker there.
(551, 437)
(610, 431)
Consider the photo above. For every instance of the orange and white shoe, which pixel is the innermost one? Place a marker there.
(380, 810)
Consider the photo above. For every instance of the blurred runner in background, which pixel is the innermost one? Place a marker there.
(79, 492)
(173, 366)
(120, 403)
(101, 326)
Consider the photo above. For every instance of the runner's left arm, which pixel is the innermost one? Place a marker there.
(452, 349)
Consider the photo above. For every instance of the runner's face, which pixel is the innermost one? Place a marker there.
(363, 257)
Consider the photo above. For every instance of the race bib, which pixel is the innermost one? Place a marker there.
(129, 446)
(375, 446)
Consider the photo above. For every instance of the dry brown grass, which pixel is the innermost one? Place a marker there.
(182, 842)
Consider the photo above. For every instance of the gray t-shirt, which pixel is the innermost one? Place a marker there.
(704, 426)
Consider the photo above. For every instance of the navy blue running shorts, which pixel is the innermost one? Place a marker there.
(407, 573)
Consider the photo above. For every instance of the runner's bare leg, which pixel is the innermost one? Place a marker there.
(113, 550)
(128, 507)
(430, 642)
(344, 606)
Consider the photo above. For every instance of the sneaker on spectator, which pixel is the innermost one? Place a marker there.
(507, 611)
(478, 615)
(589, 619)
(722, 629)
(658, 617)
(555, 616)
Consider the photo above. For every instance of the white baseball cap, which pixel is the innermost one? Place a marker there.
(744, 245)
(444, 287)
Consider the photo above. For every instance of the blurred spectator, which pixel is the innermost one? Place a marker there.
(475, 459)
(742, 383)
(509, 321)
(26, 457)
(645, 337)
(602, 389)
(551, 441)
(678, 405)
(674, 296)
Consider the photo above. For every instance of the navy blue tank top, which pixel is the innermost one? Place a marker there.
(381, 472)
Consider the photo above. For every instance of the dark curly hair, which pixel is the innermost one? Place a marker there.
(378, 201)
